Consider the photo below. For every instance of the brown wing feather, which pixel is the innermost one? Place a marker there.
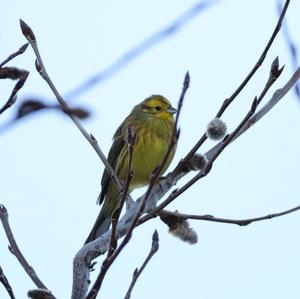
(118, 144)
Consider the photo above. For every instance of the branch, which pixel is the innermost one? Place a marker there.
(14, 249)
(12, 56)
(116, 214)
(229, 100)
(277, 96)
(125, 59)
(273, 76)
(84, 257)
(13, 74)
(99, 246)
(6, 284)
(28, 33)
(240, 222)
(153, 179)
(291, 47)
(137, 272)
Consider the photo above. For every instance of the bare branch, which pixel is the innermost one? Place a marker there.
(240, 222)
(116, 214)
(84, 257)
(12, 56)
(154, 177)
(28, 33)
(273, 76)
(277, 96)
(99, 246)
(14, 249)
(137, 272)
(291, 47)
(6, 284)
(13, 74)
(229, 100)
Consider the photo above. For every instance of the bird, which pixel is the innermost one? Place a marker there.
(152, 122)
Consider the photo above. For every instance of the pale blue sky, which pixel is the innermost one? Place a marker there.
(50, 176)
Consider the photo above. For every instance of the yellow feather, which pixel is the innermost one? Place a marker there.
(152, 121)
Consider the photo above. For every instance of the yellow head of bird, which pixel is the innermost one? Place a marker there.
(157, 106)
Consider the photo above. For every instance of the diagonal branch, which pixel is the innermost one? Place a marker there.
(291, 47)
(6, 284)
(14, 249)
(116, 214)
(13, 74)
(98, 247)
(229, 100)
(277, 96)
(28, 33)
(15, 54)
(273, 76)
(153, 179)
(137, 272)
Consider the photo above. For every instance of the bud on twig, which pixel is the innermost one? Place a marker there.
(26, 30)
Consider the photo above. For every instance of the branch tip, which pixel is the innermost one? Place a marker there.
(155, 237)
(3, 209)
(275, 72)
(26, 30)
(187, 78)
(23, 48)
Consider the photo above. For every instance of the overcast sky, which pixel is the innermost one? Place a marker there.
(50, 176)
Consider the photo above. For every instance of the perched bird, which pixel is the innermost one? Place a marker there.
(152, 122)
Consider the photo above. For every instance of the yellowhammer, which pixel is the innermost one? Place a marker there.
(152, 121)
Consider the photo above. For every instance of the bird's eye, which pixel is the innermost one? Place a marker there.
(157, 108)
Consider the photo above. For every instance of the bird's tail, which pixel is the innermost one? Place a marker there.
(104, 218)
(100, 227)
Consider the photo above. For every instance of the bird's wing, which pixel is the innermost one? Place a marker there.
(115, 150)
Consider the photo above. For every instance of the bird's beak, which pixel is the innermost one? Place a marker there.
(172, 110)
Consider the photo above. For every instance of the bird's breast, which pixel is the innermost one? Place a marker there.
(149, 150)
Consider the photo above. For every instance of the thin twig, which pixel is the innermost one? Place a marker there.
(13, 73)
(153, 178)
(291, 47)
(229, 100)
(240, 222)
(89, 252)
(28, 33)
(277, 96)
(129, 56)
(14, 249)
(156, 173)
(110, 259)
(12, 56)
(137, 272)
(6, 284)
(273, 76)
(116, 214)
(205, 170)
